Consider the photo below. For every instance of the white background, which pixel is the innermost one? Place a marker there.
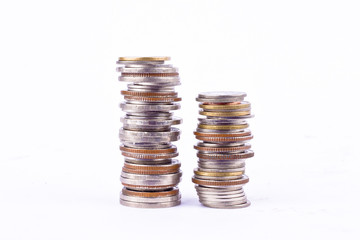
(298, 61)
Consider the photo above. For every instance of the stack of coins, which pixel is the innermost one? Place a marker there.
(222, 149)
(150, 174)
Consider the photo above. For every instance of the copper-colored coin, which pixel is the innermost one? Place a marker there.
(152, 99)
(149, 74)
(223, 127)
(245, 132)
(150, 156)
(246, 154)
(149, 94)
(165, 58)
(246, 146)
(175, 165)
(229, 106)
(215, 183)
(171, 192)
(149, 172)
(218, 174)
(225, 114)
(149, 151)
(225, 139)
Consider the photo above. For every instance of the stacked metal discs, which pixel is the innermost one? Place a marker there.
(222, 149)
(150, 174)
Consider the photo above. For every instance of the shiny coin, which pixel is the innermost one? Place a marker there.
(149, 88)
(150, 205)
(152, 69)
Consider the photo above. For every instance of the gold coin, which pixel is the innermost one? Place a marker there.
(223, 127)
(144, 58)
(225, 107)
(224, 114)
(218, 174)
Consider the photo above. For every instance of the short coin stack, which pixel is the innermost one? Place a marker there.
(222, 149)
(150, 174)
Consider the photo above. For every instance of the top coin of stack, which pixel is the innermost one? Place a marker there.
(222, 149)
(150, 174)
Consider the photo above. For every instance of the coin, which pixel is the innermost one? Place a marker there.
(228, 106)
(144, 58)
(165, 193)
(150, 205)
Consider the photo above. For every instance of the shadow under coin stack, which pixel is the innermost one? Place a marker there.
(222, 149)
(150, 174)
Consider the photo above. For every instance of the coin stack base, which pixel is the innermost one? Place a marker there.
(150, 174)
(223, 147)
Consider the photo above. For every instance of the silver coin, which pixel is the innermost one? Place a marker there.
(154, 177)
(150, 199)
(221, 97)
(153, 80)
(149, 137)
(219, 190)
(228, 205)
(134, 65)
(159, 84)
(220, 166)
(237, 117)
(150, 63)
(150, 205)
(223, 199)
(172, 162)
(147, 183)
(151, 156)
(147, 69)
(165, 115)
(128, 107)
(222, 94)
(146, 121)
(147, 145)
(212, 191)
(149, 88)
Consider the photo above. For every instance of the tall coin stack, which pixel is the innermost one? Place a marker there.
(222, 149)
(150, 174)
